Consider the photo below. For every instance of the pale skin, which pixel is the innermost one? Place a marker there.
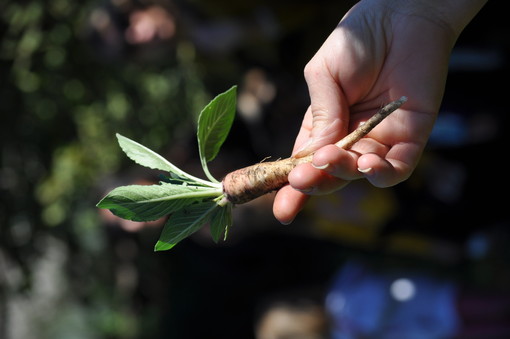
(381, 50)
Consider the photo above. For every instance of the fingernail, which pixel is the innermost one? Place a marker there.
(365, 170)
(286, 222)
(304, 149)
(322, 167)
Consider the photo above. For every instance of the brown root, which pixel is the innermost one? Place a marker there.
(254, 181)
(251, 182)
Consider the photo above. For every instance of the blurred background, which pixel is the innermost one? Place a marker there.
(425, 259)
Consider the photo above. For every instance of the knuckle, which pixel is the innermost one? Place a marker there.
(311, 70)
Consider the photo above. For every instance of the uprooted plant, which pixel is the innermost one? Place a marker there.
(192, 202)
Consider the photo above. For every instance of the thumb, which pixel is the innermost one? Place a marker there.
(328, 107)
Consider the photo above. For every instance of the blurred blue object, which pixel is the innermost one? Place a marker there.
(363, 303)
(450, 129)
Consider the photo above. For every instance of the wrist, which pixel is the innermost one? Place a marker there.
(453, 15)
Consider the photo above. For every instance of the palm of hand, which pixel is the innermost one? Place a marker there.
(371, 58)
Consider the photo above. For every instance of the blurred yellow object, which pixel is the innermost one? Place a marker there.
(354, 214)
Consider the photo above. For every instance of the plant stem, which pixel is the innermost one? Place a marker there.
(254, 181)
(200, 193)
(216, 185)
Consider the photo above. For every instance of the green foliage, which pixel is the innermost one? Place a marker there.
(144, 156)
(151, 202)
(221, 220)
(148, 158)
(65, 92)
(63, 97)
(191, 202)
(184, 223)
(214, 124)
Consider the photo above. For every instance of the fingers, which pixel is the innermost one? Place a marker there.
(332, 168)
(304, 133)
(310, 180)
(337, 162)
(391, 169)
(328, 108)
(306, 180)
(380, 172)
(288, 203)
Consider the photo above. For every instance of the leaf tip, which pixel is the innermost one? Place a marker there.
(232, 89)
(119, 137)
(102, 203)
(162, 246)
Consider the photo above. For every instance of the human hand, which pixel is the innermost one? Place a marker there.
(380, 50)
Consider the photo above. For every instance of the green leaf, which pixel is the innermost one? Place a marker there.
(144, 156)
(221, 220)
(214, 124)
(148, 158)
(184, 223)
(151, 202)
